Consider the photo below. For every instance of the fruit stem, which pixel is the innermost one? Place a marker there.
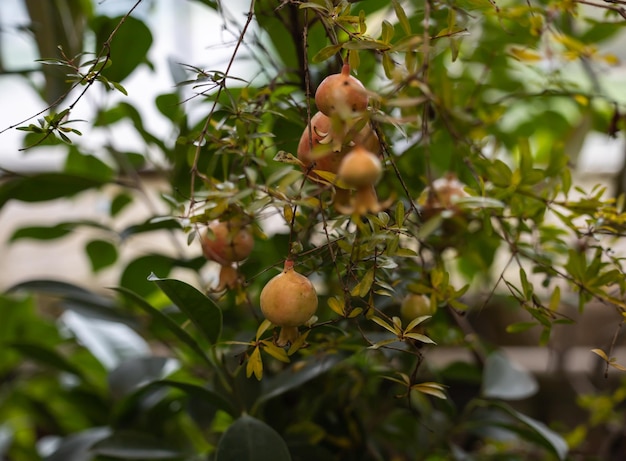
(345, 70)
(288, 265)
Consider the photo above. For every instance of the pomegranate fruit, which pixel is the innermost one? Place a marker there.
(360, 169)
(442, 195)
(227, 242)
(414, 305)
(329, 144)
(288, 300)
(341, 94)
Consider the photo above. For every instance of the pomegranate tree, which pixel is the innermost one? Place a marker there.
(288, 300)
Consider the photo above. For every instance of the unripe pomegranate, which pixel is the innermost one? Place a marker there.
(227, 242)
(341, 94)
(360, 168)
(414, 305)
(288, 300)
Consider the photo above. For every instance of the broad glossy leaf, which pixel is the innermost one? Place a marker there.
(55, 231)
(149, 226)
(129, 445)
(164, 319)
(110, 342)
(203, 393)
(87, 166)
(45, 356)
(249, 439)
(503, 379)
(45, 186)
(101, 254)
(76, 447)
(544, 435)
(200, 309)
(129, 47)
(297, 375)
(138, 371)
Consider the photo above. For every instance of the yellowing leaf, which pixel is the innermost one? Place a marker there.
(298, 343)
(523, 54)
(337, 305)
(434, 389)
(263, 328)
(420, 337)
(255, 364)
(385, 325)
(277, 352)
(416, 321)
(355, 312)
(601, 354)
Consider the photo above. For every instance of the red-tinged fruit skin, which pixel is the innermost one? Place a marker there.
(289, 299)
(227, 243)
(341, 94)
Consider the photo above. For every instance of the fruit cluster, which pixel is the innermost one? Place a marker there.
(340, 140)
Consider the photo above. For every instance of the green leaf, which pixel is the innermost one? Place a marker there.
(202, 393)
(546, 436)
(249, 439)
(151, 225)
(45, 356)
(87, 166)
(503, 379)
(366, 45)
(137, 371)
(45, 186)
(129, 445)
(387, 32)
(129, 47)
(42, 232)
(101, 254)
(77, 447)
(402, 18)
(55, 231)
(120, 202)
(135, 275)
(298, 374)
(200, 309)
(165, 320)
(326, 53)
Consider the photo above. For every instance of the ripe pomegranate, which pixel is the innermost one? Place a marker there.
(442, 195)
(341, 94)
(360, 169)
(288, 300)
(414, 305)
(227, 242)
(329, 143)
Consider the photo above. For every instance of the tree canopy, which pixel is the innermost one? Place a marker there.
(405, 171)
